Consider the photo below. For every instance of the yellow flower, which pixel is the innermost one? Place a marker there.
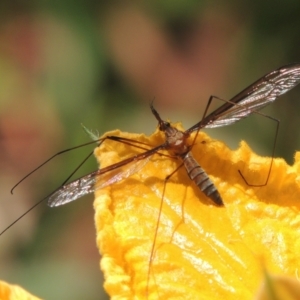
(14, 292)
(200, 251)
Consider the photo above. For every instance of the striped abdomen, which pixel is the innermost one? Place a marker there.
(199, 176)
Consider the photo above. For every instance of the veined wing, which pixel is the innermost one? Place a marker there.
(94, 181)
(259, 94)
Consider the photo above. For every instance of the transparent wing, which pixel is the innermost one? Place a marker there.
(94, 181)
(259, 94)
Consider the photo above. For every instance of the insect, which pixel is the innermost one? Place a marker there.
(253, 98)
(259, 94)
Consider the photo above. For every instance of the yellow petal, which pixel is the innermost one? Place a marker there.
(14, 292)
(200, 250)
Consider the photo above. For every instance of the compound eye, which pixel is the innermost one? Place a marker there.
(164, 125)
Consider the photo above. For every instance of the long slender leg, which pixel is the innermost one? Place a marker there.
(274, 144)
(256, 112)
(152, 252)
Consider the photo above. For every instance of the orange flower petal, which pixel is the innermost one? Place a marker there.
(200, 250)
(14, 292)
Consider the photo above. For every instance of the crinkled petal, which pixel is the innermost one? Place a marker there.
(201, 251)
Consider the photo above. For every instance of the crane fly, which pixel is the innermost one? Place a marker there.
(253, 98)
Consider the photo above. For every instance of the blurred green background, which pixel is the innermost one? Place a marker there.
(100, 63)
